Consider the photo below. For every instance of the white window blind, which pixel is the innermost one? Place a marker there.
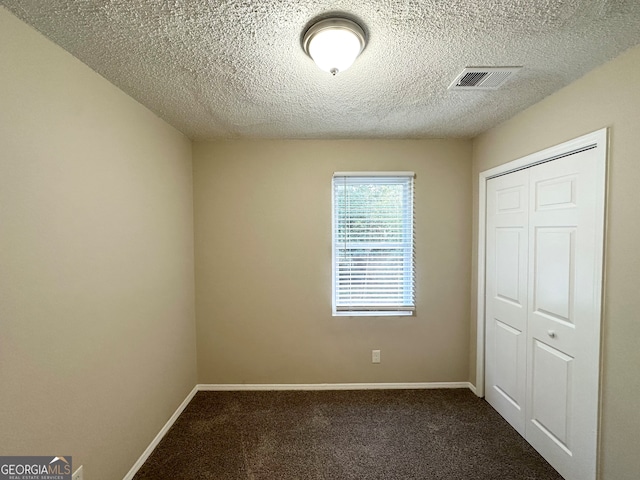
(373, 250)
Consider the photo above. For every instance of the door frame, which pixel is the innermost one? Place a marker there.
(595, 140)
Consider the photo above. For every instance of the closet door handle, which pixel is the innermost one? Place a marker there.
(551, 333)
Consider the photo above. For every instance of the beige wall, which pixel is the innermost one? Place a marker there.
(606, 97)
(263, 264)
(97, 332)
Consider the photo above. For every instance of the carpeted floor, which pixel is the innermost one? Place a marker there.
(336, 435)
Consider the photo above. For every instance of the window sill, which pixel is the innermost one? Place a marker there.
(375, 314)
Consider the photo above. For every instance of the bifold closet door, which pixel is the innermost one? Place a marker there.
(563, 329)
(542, 307)
(506, 292)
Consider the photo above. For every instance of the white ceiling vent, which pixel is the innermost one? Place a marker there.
(483, 78)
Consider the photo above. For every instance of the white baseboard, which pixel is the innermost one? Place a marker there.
(472, 387)
(161, 434)
(226, 387)
(229, 387)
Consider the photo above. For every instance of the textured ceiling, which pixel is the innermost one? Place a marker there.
(235, 68)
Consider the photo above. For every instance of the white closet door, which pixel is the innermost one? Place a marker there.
(506, 295)
(563, 332)
(543, 287)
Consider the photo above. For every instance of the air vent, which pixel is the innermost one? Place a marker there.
(483, 78)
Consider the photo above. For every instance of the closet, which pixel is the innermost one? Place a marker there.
(543, 288)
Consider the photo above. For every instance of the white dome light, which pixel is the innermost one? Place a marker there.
(334, 44)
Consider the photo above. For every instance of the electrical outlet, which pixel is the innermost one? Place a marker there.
(77, 474)
(375, 356)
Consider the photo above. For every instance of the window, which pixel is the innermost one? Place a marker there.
(373, 250)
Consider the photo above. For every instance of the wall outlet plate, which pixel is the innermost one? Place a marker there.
(375, 356)
(77, 475)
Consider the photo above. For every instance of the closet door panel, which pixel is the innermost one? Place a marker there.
(506, 301)
(562, 324)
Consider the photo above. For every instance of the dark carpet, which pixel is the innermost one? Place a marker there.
(374, 434)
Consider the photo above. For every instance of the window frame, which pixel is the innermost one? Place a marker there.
(373, 311)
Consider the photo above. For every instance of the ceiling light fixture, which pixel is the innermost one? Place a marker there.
(334, 43)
